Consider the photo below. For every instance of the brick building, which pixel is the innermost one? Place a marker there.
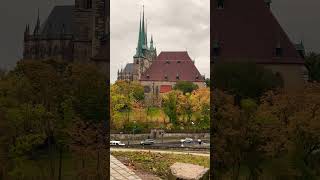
(248, 31)
(70, 33)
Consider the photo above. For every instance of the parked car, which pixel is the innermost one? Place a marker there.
(186, 140)
(147, 142)
(116, 143)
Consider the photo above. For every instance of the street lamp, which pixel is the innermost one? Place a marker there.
(133, 129)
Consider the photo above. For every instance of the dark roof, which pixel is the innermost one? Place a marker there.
(248, 30)
(128, 68)
(169, 65)
(60, 16)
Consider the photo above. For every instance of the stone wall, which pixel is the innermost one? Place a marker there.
(294, 75)
(122, 137)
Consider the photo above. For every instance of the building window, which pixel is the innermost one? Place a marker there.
(216, 48)
(168, 62)
(89, 4)
(220, 4)
(179, 62)
(177, 77)
(166, 77)
(279, 52)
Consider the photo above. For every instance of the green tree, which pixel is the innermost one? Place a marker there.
(245, 80)
(169, 105)
(185, 86)
(313, 65)
(207, 81)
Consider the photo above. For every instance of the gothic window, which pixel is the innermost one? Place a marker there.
(220, 4)
(89, 4)
(216, 48)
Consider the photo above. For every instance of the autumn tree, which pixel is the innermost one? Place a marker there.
(170, 105)
(313, 65)
(185, 86)
(245, 80)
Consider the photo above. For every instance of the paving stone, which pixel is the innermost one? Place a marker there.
(120, 172)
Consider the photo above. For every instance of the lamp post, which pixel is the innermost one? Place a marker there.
(133, 130)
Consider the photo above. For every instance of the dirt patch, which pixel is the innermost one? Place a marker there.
(142, 174)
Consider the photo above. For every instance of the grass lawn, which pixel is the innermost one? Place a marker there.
(157, 163)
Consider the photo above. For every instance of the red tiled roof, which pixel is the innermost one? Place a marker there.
(169, 65)
(165, 88)
(248, 30)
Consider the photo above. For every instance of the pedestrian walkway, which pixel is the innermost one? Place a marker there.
(119, 171)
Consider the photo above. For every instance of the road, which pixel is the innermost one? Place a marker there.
(168, 144)
(160, 151)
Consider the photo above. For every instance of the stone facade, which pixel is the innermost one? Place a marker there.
(294, 75)
(70, 33)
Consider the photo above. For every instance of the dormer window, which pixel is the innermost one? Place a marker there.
(279, 51)
(220, 4)
(166, 77)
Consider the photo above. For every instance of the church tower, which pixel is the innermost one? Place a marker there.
(144, 56)
(99, 27)
(83, 29)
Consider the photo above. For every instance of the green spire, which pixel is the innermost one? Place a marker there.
(139, 46)
(143, 34)
(151, 43)
(146, 35)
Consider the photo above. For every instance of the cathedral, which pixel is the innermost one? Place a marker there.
(159, 73)
(75, 33)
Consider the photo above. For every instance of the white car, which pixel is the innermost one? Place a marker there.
(116, 143)
(186, 140)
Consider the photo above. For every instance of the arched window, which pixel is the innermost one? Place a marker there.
(89, 4)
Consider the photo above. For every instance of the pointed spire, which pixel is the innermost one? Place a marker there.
(143, 38)
(139, 46)
(37, 27)
(151, 43)
(146, 42)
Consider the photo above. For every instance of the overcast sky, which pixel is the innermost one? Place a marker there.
(176, 25)
(300, 19)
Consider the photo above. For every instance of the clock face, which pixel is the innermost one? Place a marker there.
(146, 89)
